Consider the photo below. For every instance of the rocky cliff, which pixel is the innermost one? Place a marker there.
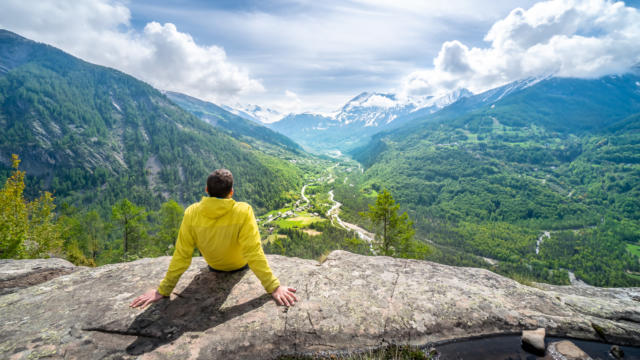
(348, 302)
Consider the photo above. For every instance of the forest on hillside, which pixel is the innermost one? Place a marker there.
(492, 190)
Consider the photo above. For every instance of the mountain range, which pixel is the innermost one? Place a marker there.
(364, 115)
(491, 172)
(237, 126)
(482, 174)
(93, 135)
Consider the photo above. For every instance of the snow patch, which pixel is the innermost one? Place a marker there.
(379, 101)
(255, 113)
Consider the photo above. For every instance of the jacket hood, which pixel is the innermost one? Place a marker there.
(214, 208)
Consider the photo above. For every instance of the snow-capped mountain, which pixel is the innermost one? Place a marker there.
(361, 117)
(373, 109)
(378, 109)
(498, 93)
(255, 113)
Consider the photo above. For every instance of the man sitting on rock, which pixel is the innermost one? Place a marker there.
(226, 234)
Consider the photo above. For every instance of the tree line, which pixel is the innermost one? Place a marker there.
(33, 229)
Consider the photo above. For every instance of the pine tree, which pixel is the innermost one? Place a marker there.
(130, 219)
(170, 218)
(95, 228)
(394, 232)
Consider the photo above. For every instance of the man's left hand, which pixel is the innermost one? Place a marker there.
(147, 298)
(285, 295)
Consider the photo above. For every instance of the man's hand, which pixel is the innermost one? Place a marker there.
(147, 298)
(285, 296)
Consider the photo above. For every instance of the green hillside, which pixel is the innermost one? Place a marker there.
(236, 126)
(93, 135)
(490, 180)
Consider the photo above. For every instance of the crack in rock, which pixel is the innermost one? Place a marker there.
(393, 292)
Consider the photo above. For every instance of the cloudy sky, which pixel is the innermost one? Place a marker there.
(294, 55)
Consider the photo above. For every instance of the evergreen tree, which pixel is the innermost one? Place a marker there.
(170, 218)
(129, 216)
(13, 214)
(95, 231)
(27, 229)
(43, 236)
(75, 235)
(394, 232)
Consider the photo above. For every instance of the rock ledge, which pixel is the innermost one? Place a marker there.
(348, 302)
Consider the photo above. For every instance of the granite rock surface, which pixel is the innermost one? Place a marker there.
(349, 302)
(19, 274)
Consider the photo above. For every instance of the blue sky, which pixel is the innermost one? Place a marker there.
(297, 56)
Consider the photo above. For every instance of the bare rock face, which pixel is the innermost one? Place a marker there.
(566, 350)
(19, 274)
(534, 340)
(349, 302)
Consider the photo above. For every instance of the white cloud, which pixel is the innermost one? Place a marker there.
(331, 50)
(565, 38)
(328, 51)
(99, 31)
(453, 58)
(290, 103)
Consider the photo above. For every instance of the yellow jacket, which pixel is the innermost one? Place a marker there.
(226, 233)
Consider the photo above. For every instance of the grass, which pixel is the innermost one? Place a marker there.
(300, 221)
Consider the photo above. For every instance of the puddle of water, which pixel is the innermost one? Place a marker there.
(508, 348)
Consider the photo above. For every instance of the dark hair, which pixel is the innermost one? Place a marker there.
(220, 183)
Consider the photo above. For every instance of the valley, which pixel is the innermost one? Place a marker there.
(537, 180)
(308, 213)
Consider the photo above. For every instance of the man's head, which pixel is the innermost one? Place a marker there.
(220, 183)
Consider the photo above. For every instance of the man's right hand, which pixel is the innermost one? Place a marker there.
(147, 298)
(285, 295)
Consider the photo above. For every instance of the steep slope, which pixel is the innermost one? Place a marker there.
(236, 126)
(94, 135)
(490, 173)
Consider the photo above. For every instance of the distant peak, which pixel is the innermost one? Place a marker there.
(360, 96)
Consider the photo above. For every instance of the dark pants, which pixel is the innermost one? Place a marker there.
(230, 271)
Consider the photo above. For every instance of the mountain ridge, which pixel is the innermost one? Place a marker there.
(362, 116)
(556, 155)
(79, 126)
(237, 126)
